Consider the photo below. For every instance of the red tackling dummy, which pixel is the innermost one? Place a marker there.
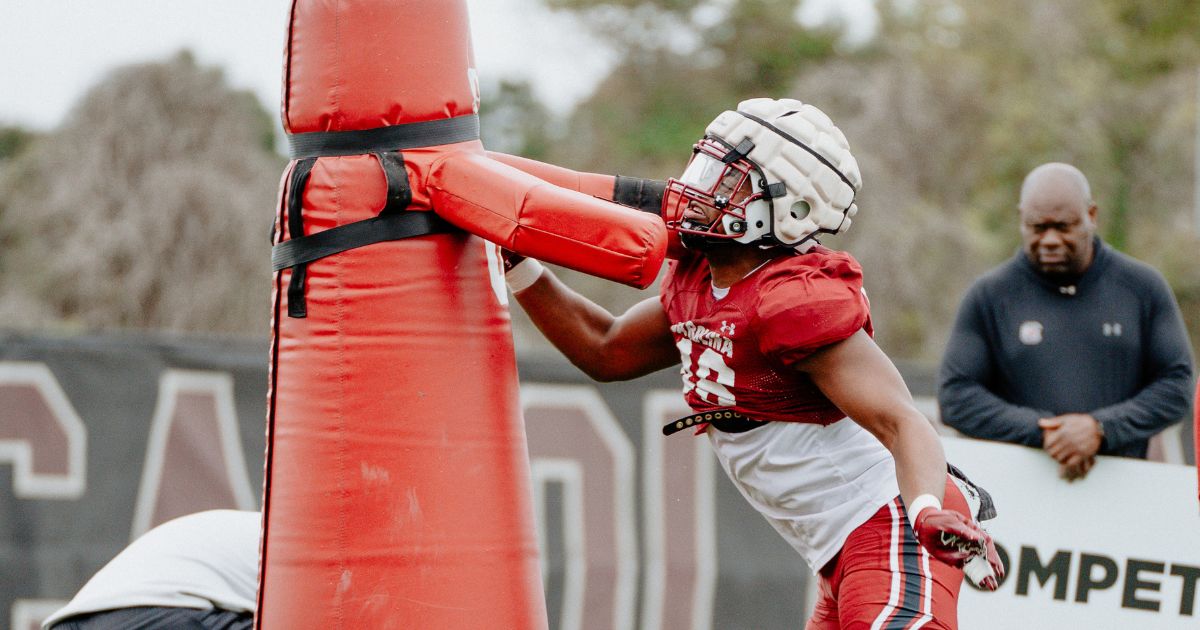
(397, 491)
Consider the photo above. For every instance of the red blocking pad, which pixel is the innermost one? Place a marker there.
(397, 490)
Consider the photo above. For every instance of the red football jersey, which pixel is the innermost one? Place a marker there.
(739, 352)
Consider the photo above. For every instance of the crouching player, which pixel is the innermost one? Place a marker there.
(807, 416)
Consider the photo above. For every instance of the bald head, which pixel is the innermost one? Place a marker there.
(1056, 180)
(1058, 220)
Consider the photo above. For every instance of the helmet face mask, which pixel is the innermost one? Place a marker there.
(723, 189)
(792, 165)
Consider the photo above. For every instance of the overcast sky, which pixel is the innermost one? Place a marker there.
(52, 51)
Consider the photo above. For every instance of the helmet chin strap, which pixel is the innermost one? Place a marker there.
(699, 237)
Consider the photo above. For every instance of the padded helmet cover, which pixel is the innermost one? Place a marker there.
(798, 146)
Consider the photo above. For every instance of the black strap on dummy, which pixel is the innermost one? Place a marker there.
(392, 224)
(725, 420)
(391, 227)
(295, 206)
(427, 133)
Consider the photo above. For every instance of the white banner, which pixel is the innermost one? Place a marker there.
(1119, 549)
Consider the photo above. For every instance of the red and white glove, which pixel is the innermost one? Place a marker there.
(985, 570)
(957, 541)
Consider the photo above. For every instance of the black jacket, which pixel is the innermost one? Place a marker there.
(1023, 348)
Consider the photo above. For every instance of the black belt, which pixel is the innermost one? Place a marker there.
(724, 420)
(392, 223)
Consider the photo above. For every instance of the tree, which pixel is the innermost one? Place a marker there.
(512, 120)
(150, 207)
(13, 140)
(683, 61)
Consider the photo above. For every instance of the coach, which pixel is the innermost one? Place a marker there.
(1069, 346)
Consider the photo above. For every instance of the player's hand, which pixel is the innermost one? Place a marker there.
(985, 570)
(960, 542)
(949, 536)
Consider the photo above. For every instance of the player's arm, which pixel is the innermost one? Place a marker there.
(604, 346)
(862, 381)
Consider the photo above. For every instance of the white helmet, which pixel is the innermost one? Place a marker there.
(798, 163)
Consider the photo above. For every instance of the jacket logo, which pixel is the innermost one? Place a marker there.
(727, 328)
(1030, 333)
(1111, 329)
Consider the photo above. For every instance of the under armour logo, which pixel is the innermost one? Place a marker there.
(1111, 329)
(727, 328)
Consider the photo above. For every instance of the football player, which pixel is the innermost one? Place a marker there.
(808, 417)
